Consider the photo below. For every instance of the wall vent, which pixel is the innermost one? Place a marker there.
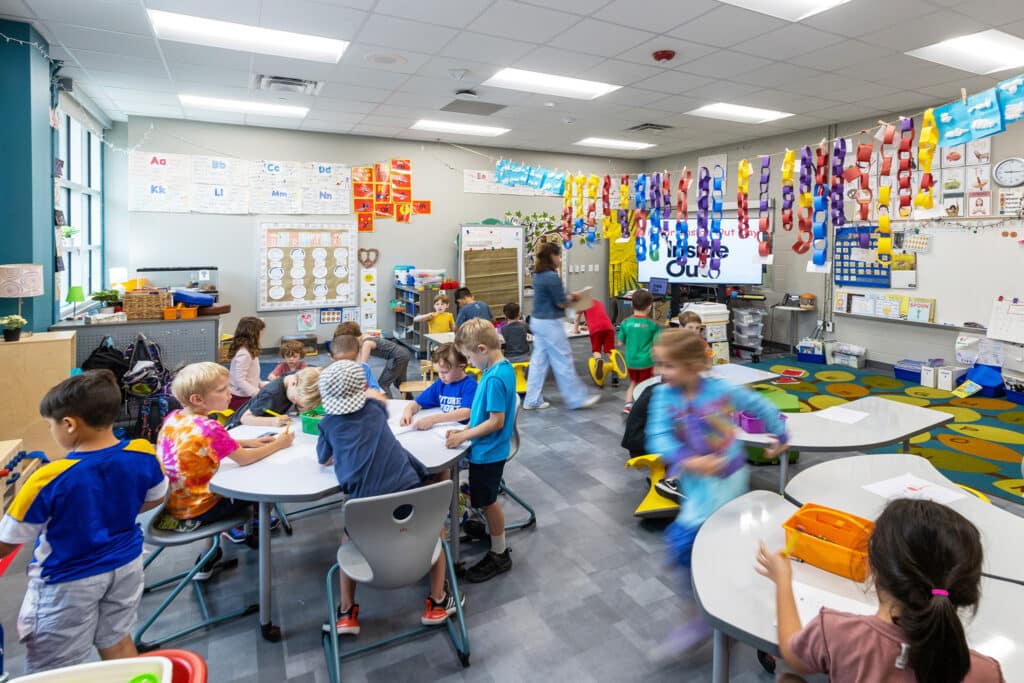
(649, 127)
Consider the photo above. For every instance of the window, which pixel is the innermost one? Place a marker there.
(80, 198)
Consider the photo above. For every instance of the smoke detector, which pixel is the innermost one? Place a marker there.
(466, 94)
(285, 84)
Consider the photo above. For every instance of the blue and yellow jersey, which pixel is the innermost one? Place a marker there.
(82, 509)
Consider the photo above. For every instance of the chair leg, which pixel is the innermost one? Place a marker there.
(206, 621)
(330, 639)
(525, 524)
(460, 638)
(285, 523)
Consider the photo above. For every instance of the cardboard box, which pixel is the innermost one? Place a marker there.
(659, 312)
(715, 332)
(949, 377)
(929, 376)
(848, 360)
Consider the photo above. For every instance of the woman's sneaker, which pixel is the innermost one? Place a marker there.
(347, 623)
(437, 613)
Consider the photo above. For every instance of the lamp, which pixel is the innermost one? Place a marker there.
(76, 295)
(19, 280)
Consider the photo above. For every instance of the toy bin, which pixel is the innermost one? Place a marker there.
(140, 669)
(750, 329)
(810, 357)
(751, 340)
(829, 539)
(311, 420)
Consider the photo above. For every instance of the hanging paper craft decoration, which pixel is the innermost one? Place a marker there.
(925, 155)
(655, 222)
(985, 114)
(864, 196)
(703, 196)
(764, 222)
(954, 124)
(903, 167)
(788, 163)
(805, 234)
(567, 212)
(884, 230)
(837, 195)
(820, 216)
(592, 184)
(579, 206)
(1011, 99)
(666, 203)
(606, 193)
(682, 224)
(640, 188)
(717, 202)
(743, 173)
(624, 207)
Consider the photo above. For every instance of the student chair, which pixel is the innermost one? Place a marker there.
(188, 667)
(521, 369)
(503, 488)
(393, 543)
(165, 539)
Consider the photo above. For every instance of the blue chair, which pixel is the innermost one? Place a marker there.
(394, 543)
(503, 488)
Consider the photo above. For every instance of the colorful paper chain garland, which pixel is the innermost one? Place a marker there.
(821, 203)
(743, 173)
(764, 218)
(805, 234)
(788, 164)
(926, 145)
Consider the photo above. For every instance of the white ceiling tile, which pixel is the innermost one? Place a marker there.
(15, 9)
(724, 91)
(149, 109)
(505, 18)
(861, 17)
(313, 18)
(931, 28)
(124, 44)
(216, 117)
(860, 91)
(401, 33)
(726, 26)
(117, 64)
(678, 104)
(443, 12)
(686, 51)
(555, 61)
(356, 4)
(947, 92)
(575, 6)
(621, 73)
(269, 65)
(776, 75)
(991, 12)
(211, 75)
(272, 121)
(637, 96)
(847, 112)
(469, 45)
(841, 54)
(788, 41)
(128, 96)
(109, 16)
(431, 87)
(601, 38)
(132, 82)
(786, 101)
(725, 64)
(200, 55)
(351, 91)
(237, 11)
(391, 114)
(902, 70)
(214, 90)
(378, 58)
(671, 82)
(905, 102)
(324, 126)
(369, 78)
(376, 131)
(405, 99)
(343, 106)
(653, 15)
(334, 117)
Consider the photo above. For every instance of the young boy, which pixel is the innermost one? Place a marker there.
(637, 334)
(292, 352)
(491, 424)
(515, 331)
(85, 577)
(269, 407)
(602, 334)
(369, 461)
(470, 308)
(191, 445)
(396, 357)
(346, 347)
(452, 392)
(440, 320)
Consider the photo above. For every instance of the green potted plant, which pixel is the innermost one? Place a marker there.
(12, 327)
(109, 298)
(68, 233)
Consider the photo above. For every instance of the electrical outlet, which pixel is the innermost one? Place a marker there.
(830, 326)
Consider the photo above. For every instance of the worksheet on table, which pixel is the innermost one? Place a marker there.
(908, 485)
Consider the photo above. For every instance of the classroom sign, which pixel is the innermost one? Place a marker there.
(738, 260)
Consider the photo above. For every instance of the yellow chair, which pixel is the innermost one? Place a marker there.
(222, 416)
(977, 494)
(521, 369)
(473, 372)
(654, 505)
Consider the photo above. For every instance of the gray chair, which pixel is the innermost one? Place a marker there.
(166, 539)
(513, 451)
(393, 543)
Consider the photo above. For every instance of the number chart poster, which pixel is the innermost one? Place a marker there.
(307, 265)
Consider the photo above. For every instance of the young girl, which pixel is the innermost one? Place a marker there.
(440, 320)
(691, 425)
(244, 378)
(396, 357)
(925, 560)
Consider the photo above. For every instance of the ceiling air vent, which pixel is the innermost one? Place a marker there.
(295, 86)
(649, 127)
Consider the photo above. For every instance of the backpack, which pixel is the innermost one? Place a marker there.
(152, 412)
(106, 357)
(146, 374)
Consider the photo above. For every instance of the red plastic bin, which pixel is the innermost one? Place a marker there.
(188, 666)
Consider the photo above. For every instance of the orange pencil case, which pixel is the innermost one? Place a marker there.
(829, 539)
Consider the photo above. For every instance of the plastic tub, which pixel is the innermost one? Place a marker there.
(830, 539)
(749, 329)
(749, 316)
(812, 357)
(744, 354)
(311, 420)
(752, 340)
(144, 669)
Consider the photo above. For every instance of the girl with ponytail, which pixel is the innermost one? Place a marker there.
(925, 561)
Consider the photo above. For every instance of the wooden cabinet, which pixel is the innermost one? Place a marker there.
(29, 367)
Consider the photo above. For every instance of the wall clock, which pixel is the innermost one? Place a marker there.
(1009, 172)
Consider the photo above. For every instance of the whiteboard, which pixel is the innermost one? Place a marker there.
(964, 271)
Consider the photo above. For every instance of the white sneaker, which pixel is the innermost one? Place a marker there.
(590, 402)
(539, 406)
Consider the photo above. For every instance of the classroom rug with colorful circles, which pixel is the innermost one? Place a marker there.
(981, 448)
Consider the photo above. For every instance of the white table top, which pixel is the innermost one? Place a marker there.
(741, 603)
(839, 484)
(795, 309)
(293, 474)
(735, 373)
(887, 422)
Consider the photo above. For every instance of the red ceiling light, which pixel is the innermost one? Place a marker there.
(664, 55)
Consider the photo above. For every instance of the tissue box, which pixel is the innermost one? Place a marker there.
(929, 376)
(949, 377)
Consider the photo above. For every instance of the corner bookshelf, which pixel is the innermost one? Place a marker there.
(411, 334)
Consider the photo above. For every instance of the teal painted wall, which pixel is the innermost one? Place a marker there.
(26, 151)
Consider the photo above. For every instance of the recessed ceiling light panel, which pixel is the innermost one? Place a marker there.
(982, 53)
(458, 128)
(606, 143)
(549, 84)
(790, 10)
(243, 106)
(737, 112)
(184, 28)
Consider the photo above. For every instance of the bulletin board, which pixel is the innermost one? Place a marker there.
(307, 265)
(854, 265)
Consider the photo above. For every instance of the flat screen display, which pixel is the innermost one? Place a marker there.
(740, 263)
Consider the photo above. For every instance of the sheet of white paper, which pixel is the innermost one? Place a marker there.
(844, 415)
(911, 486)
(827, 268)
(810, 600)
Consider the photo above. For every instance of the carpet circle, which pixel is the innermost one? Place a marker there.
(979, 447)
(982, 403)
(909, 400)
(1015, 487)
(882, 382)
(847, 391)
(794, 371)
(959, 413)
(997, 434)
(835, 376)
(823, 401)
(958, 462)
(1014, 418)
(921, 438)
(927, 392)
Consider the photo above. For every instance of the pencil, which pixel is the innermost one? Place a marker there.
(272, 413)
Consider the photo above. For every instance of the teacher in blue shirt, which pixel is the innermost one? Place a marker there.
(550, 340)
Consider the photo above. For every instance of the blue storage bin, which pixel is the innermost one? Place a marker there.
(811, 357)
(990, 378)
(1015, 396)
(907, 375)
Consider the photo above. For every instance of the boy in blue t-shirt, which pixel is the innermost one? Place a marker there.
(85, 577)
(491, 423)
(470, 308)
(452, 392)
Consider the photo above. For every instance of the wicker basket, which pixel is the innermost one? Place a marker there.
(146, 304)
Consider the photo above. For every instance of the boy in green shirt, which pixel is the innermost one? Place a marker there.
(637, 334)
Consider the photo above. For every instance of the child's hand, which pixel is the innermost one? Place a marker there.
(282, 420)
(406, 416)
(423, 424)
(774, 448)
(272, 376)
(775, 566)
(285, 439)
(708, 465)
(454, 438)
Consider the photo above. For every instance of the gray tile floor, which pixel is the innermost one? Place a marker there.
(588, 597)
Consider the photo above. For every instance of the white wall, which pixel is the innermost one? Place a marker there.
(887, 342)
(230, 242)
